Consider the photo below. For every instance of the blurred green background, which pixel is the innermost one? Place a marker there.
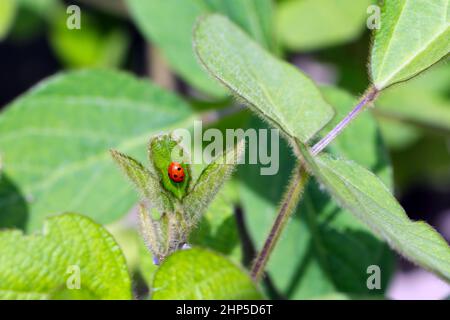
(327, 39)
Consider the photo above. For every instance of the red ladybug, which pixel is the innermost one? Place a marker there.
(176, 172)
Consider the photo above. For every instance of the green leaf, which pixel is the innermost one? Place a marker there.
(168, 24)
(413, 36)
(421, 101)
(281, 93)
(372, 153)
(363, 194)
(94, 45)
(218, 228)
(199, 274)
(146, 183)
(211, 180)
(323, 249)
(40, 266)
(7, 15)
(55, 143)
(163, 150)
(328, 22)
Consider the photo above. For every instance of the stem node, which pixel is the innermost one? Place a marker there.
(367, 98)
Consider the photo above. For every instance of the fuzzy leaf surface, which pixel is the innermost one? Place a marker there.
(199, 274)
(367, 197)
(211, 180)
(414, 35)
(39, 266)
(324, 249)
(276, 90)
(146, 183)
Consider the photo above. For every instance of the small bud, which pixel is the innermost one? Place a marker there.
(163, 151)
(173, 208)
(165, 235)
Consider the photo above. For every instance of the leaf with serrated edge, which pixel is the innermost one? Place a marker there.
(66, 126)
(210, 181)
(39, 266)
(363, 194)
(274, 89)
(147, 184)
(199, 274)
(414, 35)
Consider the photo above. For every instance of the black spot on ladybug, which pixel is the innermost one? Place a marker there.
(176, 172)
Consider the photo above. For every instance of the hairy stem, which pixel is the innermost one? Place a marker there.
(297, 184)
(288, 205)
(367, 98)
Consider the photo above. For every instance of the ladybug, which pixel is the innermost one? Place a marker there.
(176, 172)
